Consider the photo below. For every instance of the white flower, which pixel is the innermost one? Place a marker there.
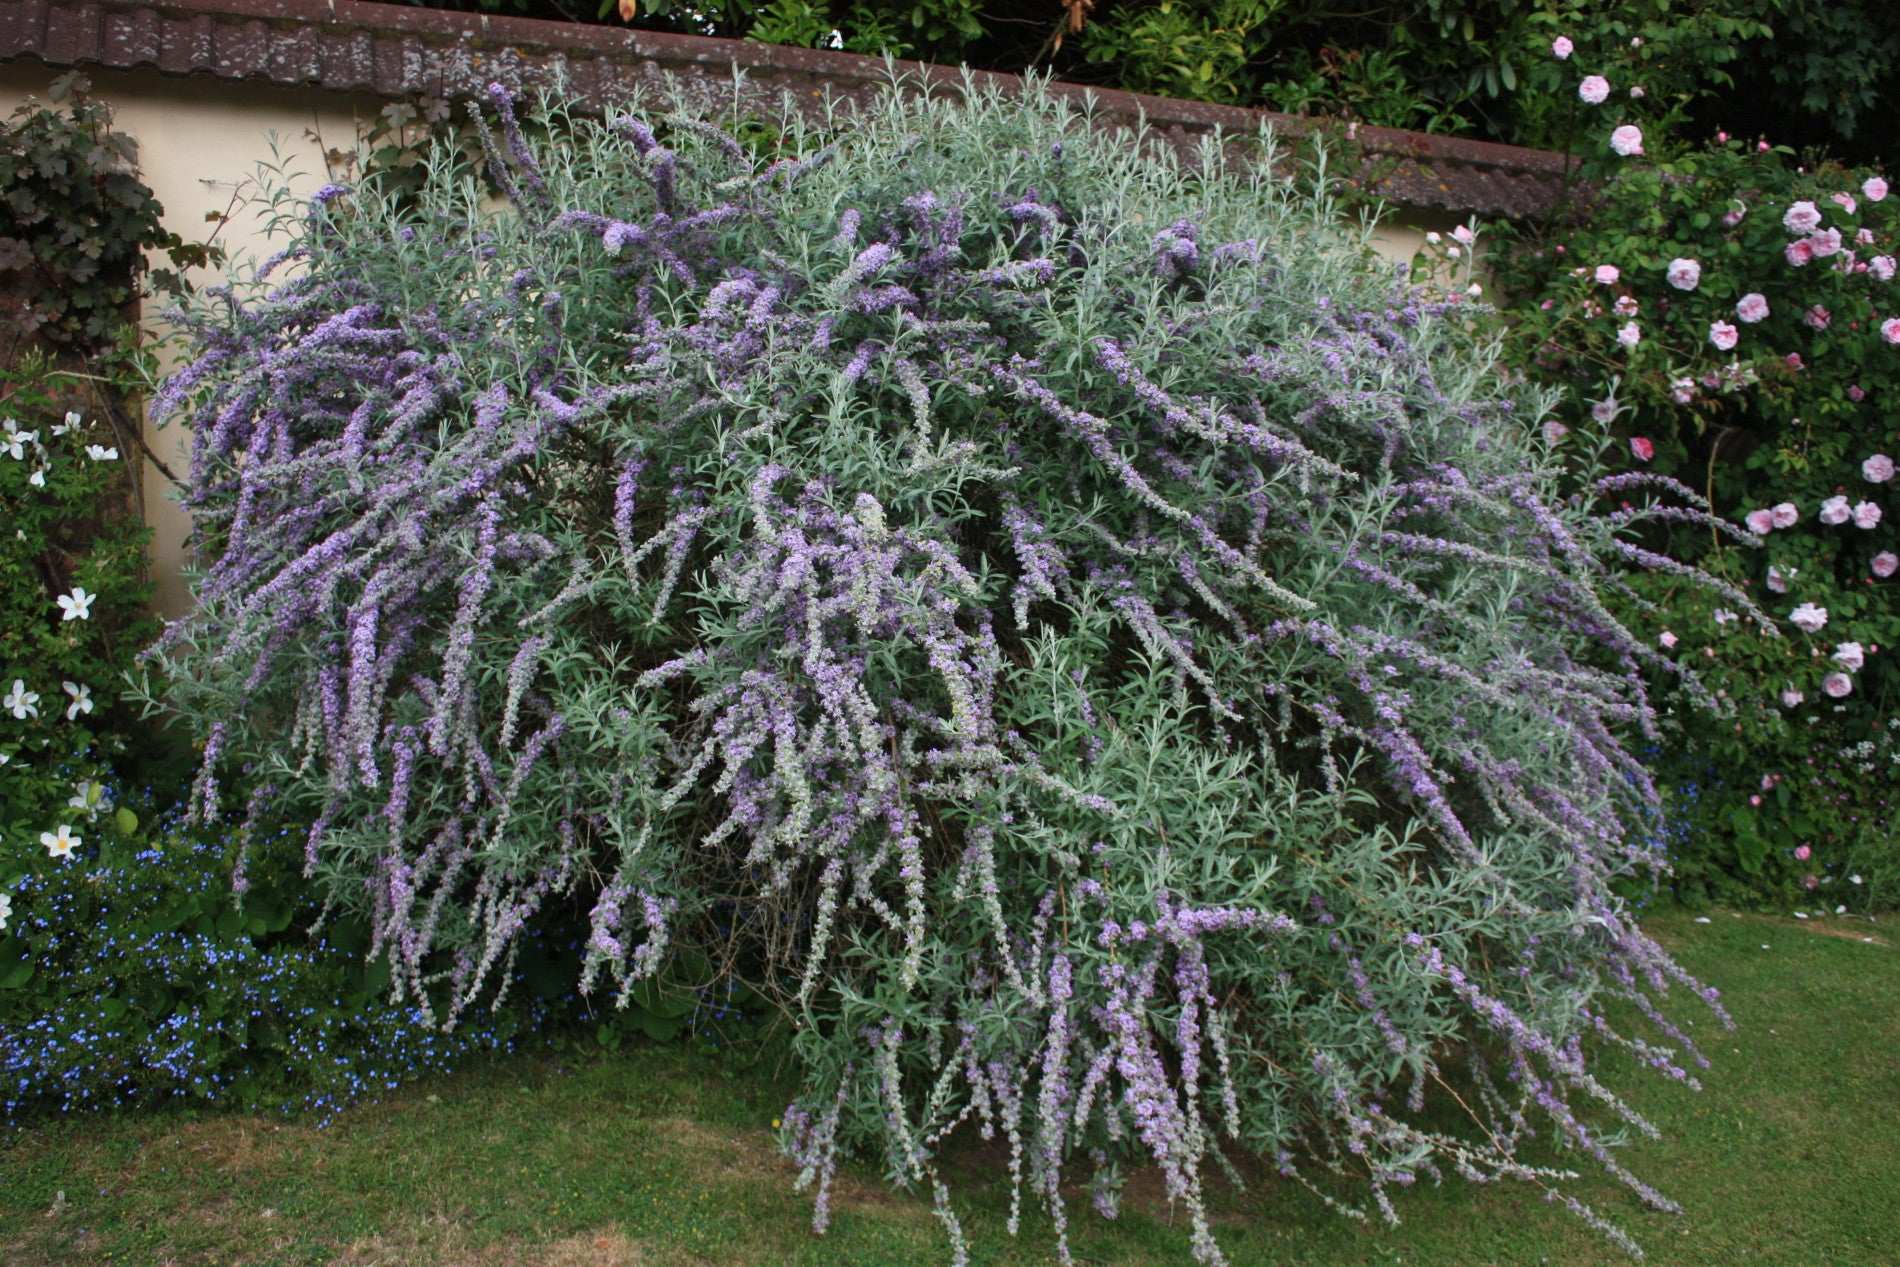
(76, 605)
(1594, 90)
(1630, 335)
(1432, 237)
(72, 420)
(21, 702)
(38, 478)
(99, 453)
(1627, 140)
(1474, 290)
(1723, 616)
(1853, 879)
(88, 798)
(6, 910)
(15, 441)
(1809, 618)
(82, 699)
(61, 843)
(1849, 656)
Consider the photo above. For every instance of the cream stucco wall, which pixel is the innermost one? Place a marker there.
(201, 143)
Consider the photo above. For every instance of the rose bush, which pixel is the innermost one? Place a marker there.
(1766, 376)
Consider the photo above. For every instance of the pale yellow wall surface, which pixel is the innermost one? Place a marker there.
(200, 143)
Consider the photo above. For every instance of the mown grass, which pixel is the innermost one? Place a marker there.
(658, 1158)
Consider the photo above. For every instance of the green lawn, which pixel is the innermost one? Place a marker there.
(656, 1158)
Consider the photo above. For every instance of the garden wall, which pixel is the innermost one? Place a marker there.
(205, 85)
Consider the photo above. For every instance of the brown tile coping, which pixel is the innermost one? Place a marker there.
(395, 51)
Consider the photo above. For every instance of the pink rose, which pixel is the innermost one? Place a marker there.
(1801, 853)
(1777, 580)
(1603, 410)
(1627, 140)
(1877, 469)
(1837, 685)
(1793, 361)
(1849, 656)
(1464, 234)
(1817, 318)
(1864, 237)
(1760, 522)
(1625, 306)
(1792, 698)
(1890, 329)
(1667, 639)
(1802, 217)
(1825, 243)
(1723, 335)
(1866, 515)
(1733, 216)
(1799, 253)
(1808, 618)
(1751, 308)
(1595, 90)
(1845, 201)
(1682, 390)
(1885, 564)
(1855, 394)
(1607, 274)
(1754, 798)
(1881, 266)
(1785, 515)
(1810, 881)
(1684, 274)
(1835, 511)
(1642, 448)
(1874, 189)
(1561, 48)
(1630, 335)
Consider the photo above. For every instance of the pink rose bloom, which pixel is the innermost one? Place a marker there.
(1630, 335)
(1874, 189)
(1636, 93)
(1760, 522)
(1793, 361)
(1561, 48)
(1855, 394)
(1825, 243)
(1792, 698)
(1801, 853)
(1890, 329)
(1799, 254)
(1845, 201)
(1554, 431)
(1777, 581)
(1785, 515)
(1881, 266)
(1837, 685)
(1864, 237)
(1834, 511)
(1733, 216)
(1464, 234)
(1754, 799)
(1682, 390)
(1607, 274)
(1808, 618)
(1817, 318)
(1810, 881)
(1751, 308)
(1723, 335)
(1604, 410)
(1803, 217)
(1595, 90)
(1877, 469)
(1684, 274)
(1849, 656)
(1642, 448)
(1866, 515)
(1885, 564)
(1668, 640)
(1625, 306)
(1627, 141)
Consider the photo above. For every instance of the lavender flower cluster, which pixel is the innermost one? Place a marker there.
(1105, 656)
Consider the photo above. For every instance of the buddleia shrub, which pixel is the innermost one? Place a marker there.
(1098, 650)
